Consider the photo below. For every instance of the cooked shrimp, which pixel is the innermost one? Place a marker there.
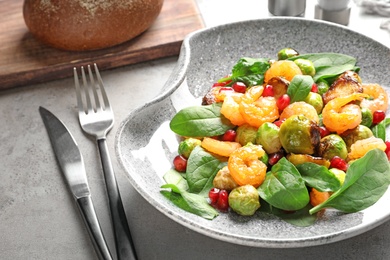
(339, 116)
(378, 99)
(256, 109)
(245, 167)
(361, 147)
(230, 109)
(300, 108)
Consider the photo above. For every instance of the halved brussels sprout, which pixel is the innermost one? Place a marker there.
(359, 133)
(299, 135)
(186, 146)
(303, 158)
(268, 137)
(246, 134)
(244, 200)
(279, 86)
(315, 100)
(347, 83)
(286, 53)
(223, 180)
(306, 66)
(332, 145)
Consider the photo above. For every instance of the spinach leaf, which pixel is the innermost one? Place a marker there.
(329, 65)
(201, 170)
(379, 130)
(198, 121)
(284, 187)
(190, 202)
(249, 70)
(300, 87)
(318, 177)
(367, 179)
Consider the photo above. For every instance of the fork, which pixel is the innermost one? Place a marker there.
(96, 119)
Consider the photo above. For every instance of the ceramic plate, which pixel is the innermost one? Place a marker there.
(146, 146)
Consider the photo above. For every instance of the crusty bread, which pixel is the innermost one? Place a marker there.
(89, 24)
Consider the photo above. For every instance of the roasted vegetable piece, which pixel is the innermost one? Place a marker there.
(315, 100)
(286, 53)
(279, 86)
(359, 133)
(303, 158)
(223, 180)
(299, 135)
(306, 66)
(331, 146)
(186, 146)
(322, 86)
(268, 137)
(346, 84)
(246, 134)
(244, 200)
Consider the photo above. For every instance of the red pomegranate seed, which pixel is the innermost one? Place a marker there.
(387, 151)
(229, 136)
(180, 163)
(324, 131)
(275, 157)
(314, 88)
(278, 123)
(268, 91)
(339, 163)
(225, 89)
(378, 116)
(214, 195)
(223, 201)
(283, 102)
(239, 87)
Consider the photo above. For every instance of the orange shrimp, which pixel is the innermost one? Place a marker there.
(256, 109)
(378, 99)
(339, 116)
(361, 147)
(222, 148)
(245, 167)
(282, 68)
(317, 197)
(230, 109)
(300, 108)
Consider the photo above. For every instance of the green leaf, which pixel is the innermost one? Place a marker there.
(190, 202)
(174, 177)
(199, 121)
(318, 177)
(329, 65)
(284, 187)
(379, 130)
(300, 87)
(367, 179)
(250, 71)
(201, 170)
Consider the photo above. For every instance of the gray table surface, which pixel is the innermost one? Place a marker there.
(38, 217)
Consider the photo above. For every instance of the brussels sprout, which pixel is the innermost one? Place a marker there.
(299, 135)
(297, 159)
(332, 145)
(339, 174)
(246, 134)
(223, 180)
(279, 86)
(244, 200)
(358, 133)
(322, 86)
(186, 146)
(343, 86)
(306, 66)
(268, 137)
(367, 117)
(286, 53)
(315, 100)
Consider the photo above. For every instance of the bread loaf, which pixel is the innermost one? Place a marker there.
(89, 24)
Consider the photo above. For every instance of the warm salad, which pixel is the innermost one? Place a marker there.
(290, 137)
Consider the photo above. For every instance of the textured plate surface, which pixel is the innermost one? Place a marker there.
(145, 145)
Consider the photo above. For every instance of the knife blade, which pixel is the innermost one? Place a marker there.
(71, 163)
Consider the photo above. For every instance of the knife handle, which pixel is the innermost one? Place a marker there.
(89, 215)
(124, 242)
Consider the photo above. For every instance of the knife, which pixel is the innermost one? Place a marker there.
(71, 163)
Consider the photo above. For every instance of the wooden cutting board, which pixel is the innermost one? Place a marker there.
(25, 61)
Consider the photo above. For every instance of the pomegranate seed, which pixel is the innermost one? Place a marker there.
(338, 163)
(314, 88)
(378, 116)
(239, 87)
(387, 151)
(223, 201)
(275, 157)
(214, 195)
(219, 84)
(278, 123)
(229, 136)
(225, 89)
(324, 131)
(180, 163)
(268, 91)
(283, 102)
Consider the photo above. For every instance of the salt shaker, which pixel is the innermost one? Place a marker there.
(337, 11)
(287, 7)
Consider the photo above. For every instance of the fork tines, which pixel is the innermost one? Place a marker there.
(91, 85)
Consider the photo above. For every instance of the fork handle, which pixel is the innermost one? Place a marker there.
(124, 243)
